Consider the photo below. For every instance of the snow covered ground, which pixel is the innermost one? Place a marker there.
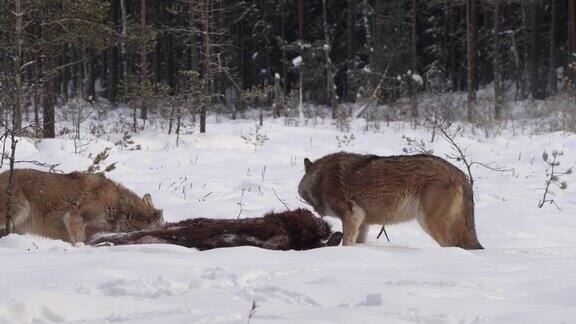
(527, 274)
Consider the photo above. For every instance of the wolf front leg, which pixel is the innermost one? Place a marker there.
(349, 213)
(351, 224)
(363, 233)
(75, 226)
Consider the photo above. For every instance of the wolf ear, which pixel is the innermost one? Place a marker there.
(148, 199)
(307, 164)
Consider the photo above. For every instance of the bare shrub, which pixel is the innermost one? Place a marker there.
(77, 113)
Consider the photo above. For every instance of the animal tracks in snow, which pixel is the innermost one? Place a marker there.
(140, 288)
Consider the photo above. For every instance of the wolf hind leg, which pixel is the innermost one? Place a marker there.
(448, 217)
(20, 217)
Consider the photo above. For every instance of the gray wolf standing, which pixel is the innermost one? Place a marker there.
(365, 190)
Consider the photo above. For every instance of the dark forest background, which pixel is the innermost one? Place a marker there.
(230, 55)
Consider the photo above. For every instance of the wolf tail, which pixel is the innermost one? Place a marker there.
(469, 240)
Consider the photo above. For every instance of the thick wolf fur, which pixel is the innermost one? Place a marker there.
(363, 190)
(74, 206)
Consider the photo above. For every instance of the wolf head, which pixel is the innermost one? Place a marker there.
(149, 217)
(129, 213)
(310, 186)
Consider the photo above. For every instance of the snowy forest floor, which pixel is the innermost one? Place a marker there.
(526, 274)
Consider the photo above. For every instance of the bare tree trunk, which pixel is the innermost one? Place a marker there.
(134, 118)
(113, 59)
(193, 38)
(178, 123)
(301, 66)
(66, 71)
(18, 96)
(194, 54)
(123, 37)
(101, 66)
(330, 91)
(283, 31)
(75, 74)
(221, 21)
(16, 114)
(90, 74)
(301, 20)
(169, 59)
(472, 37)
(572, 26)
(155, 18)
(241, 55)
(351, 22)
(171, 119)
(49, 98)
(221, 76)
(498, 91)
(36, 110)
(552, 77)
(207, 76)
(10, 185)
(453, 13)
(36, 88)
(519, 71)
(278, 97)
(533, 63)
(413, 86)
(571, 42)
(143, 58)
(301, 94)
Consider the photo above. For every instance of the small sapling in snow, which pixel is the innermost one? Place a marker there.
(128, 143)
(256, 138)
(98, 163)
(79, 111)
(554, 177)
(416, 146)
(459, 152)
(345, 140)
